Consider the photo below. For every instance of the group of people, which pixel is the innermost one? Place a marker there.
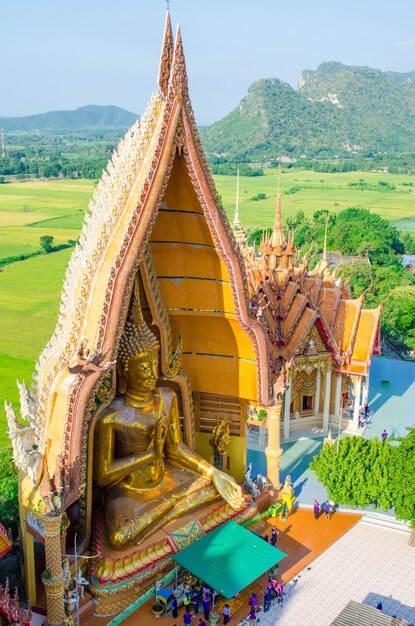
(364, 415)
(193, 599)
(274, 536)
(274, 591)
(327, 508)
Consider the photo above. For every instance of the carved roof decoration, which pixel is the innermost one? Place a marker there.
(105, 209)
(166, 57)
(100, 274)
(178, 76)
(289, 301)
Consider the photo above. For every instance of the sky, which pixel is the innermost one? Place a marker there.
(68, 53)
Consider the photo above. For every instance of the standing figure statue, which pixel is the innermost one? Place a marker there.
(249, 484)
(219, 441)
(149, 475)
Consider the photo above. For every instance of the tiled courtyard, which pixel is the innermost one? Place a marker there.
(367, 564)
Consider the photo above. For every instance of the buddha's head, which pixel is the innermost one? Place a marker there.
(138, 359)
(141, 371)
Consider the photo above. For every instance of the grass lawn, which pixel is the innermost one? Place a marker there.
(30, 290)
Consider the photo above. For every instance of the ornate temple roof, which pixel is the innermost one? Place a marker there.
(290, 301)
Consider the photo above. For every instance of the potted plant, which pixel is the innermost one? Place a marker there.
(157, 609)
(261, 415)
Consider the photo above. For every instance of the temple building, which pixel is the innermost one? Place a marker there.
(322, 337)
(168, 326)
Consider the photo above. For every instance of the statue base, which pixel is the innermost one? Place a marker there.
(118, 578)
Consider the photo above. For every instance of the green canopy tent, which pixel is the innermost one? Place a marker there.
(229, 558)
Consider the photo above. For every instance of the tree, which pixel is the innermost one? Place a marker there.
(408, 243)
(403, 477)
(9, 507)
(359, 472)
(358, 231)
(46, 242)
(398, 316)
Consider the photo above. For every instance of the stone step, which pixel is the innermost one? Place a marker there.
(386, 522)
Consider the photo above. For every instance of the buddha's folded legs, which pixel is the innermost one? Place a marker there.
(131, 516)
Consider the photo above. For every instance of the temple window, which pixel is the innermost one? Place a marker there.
(209, 408)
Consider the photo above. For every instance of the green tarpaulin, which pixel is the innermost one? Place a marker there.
(229, 558)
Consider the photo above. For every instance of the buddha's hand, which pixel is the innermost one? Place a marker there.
(229, 489)
(160, 433)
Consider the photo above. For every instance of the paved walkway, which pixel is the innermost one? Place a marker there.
(393, 407)
(367, 564)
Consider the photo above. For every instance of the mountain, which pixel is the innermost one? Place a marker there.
(408, 77)
(91, 116)
(336, 109)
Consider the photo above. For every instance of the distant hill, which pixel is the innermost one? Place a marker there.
(91, 116)
(336, 109)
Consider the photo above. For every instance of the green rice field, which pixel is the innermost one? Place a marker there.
(30, 289)
(31, 209)
(318, 191)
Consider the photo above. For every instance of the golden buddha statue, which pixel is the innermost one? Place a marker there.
(151, 477)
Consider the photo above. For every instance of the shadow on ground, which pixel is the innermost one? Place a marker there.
(391, 606)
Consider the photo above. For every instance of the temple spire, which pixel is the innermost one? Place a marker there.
(178, 73)
(166, 56)
(325, 242)
(238, 230)
(277, 238)
(236, 221)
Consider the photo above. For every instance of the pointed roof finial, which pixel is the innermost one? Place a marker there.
(166, 57)
(278, 238)
(236, 221)
(325, 241)
(178, 74)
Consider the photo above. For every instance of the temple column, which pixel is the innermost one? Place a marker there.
(326, 409)
(337, 401)
(356, 408)
(287, 404)
(365, 392)
(27, 544)
(54, 580)
(318, 392)
(273, 451)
